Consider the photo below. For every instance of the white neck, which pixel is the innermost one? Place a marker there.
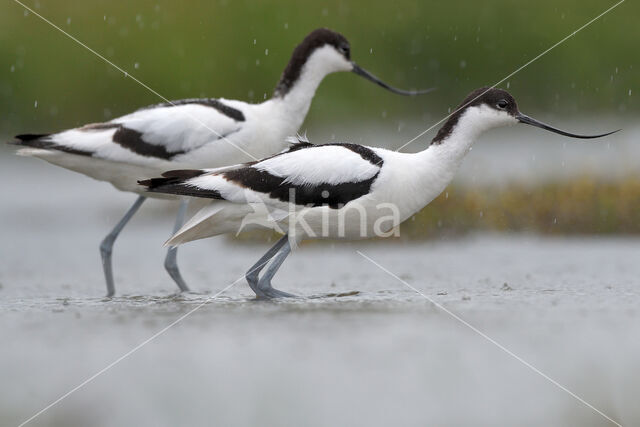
(296, 101)
(439, 163)
(473, 122)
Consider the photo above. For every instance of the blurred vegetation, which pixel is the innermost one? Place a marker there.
(237, 49)
(582, 205)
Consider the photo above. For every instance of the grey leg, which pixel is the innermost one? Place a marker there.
(264, 284)
(106, 247)
(170, 262)
(254, 271)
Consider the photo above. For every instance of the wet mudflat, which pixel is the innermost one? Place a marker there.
(363, 348)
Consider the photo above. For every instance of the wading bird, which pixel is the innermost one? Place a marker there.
(338, 191)
(194, 133)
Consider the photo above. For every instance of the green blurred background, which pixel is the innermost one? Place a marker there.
(237, 49)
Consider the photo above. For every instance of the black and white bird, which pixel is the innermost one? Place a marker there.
(194, 133)
(338, 191)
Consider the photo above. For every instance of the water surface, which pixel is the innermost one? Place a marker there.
(361, 348)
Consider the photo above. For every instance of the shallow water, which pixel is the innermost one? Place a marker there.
(361, 348)
(377, 355)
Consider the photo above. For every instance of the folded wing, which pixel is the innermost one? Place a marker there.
(161, 132)
(306, 174)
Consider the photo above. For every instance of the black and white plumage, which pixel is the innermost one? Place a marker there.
(335, 191)
(305, 175)
(152, 138)
(194, 133)
(204, 132)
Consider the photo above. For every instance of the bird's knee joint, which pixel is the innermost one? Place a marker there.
(105, 248)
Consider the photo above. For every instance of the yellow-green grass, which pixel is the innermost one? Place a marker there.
(582, 205)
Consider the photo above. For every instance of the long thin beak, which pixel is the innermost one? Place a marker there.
(533, 122)
(367, 75)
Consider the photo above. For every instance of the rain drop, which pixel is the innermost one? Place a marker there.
(104, 18)
(136, 65)
(286, 25)
(508, 85)
(629, 92)
(254, 42)
(463, 64)
(26, 13)
(69, 21)
(13, 68)
(371, 51)
(266, 52)
(35, 104)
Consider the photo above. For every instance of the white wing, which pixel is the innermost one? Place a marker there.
(331, 174)
(186, 125)
(158, 133)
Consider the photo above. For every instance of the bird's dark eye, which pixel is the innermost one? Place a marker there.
(344, 50)
(502, 104)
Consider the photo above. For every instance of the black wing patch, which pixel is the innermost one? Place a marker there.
(228, 111)
(125, 137)
(41, 141)
(132, 140)
(333, 195)
(25, 137)
(364, 152)
(173, 182)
